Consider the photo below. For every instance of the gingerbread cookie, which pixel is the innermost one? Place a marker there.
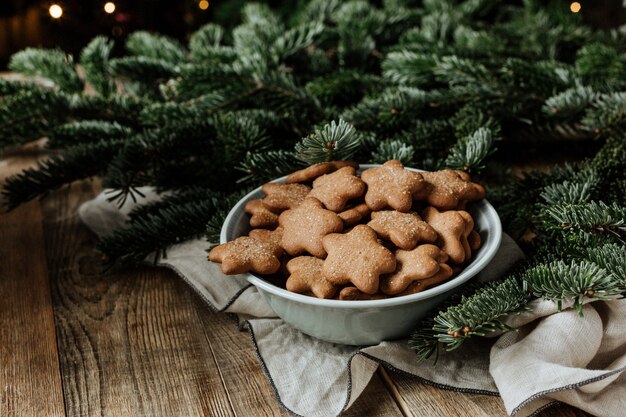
(469, 226)
(420, 263)
(316, 170)
(356, 257)
(306, 225)
(269, 236)
(353, 294)
(390, 185)
(336, 189)
(405, 230)
(260, 215)
(444, 274)
(306, 276)
(246, 254)
(279, 197)
(450, 227)
(449, 189)
(354, 215)
(474, 240)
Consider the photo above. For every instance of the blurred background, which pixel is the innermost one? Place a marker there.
(70, 24)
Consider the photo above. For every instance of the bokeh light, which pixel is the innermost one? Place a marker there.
(575, 7)
(55, 11)
(109, 7)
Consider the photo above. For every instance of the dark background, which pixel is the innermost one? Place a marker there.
(27, 22)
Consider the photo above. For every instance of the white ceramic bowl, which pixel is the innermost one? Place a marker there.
(364, 322)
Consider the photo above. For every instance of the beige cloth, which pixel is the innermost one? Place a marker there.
(553, 357)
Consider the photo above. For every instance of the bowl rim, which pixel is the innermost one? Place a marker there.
(490, 247)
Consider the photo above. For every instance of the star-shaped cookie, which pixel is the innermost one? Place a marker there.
(306, 276)
(336, 189)
(390, 185)
(268, 236)
(246, 254)
(418, 264)
(353, 294)
(405, 230)
(356, 257)
(316, 170)
(306, 225)
(450, 189)
(451, 230)
(279, 197)
(418, 286)
(260, 215)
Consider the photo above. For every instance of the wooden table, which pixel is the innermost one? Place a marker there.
(139, 342)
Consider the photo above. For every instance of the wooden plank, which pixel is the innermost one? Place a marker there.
(30, 381)
(422, 400)
(248, 388)
(130, 342)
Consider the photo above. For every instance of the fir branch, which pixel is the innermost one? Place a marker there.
(570, 192)
(454, 70)
(393, 149)
(612, 258)
(476, 315)
(470, 152)
(333, 142)
(207, 38)
(569, 103)
(94, 59)
(29, 114)
(606, 113)
(263, 166)
(72, 164)
(590, 218)
(559, 281)
(53, 64)
(409, 68)
(143, 69)
(86, 131)
(294, 40)
(155, 231)
(156, 47)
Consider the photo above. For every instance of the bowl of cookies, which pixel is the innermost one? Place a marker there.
(358, 254)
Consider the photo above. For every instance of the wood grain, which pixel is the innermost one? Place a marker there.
(248, 388)
(130, 342)
(30, 381)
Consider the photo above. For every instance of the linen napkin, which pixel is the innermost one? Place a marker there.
(555, 356)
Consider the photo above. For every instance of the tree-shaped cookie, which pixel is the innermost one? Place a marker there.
(421, 263)
(405, 230)
(306, 225)
(390, 185)
(336, 189)
(451, 229)
(305, 275)
(316, 170)
(246, 254)
(356, 257)
(279, 197)
(449, 189)
(260, 215)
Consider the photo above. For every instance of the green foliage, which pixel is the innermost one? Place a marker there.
(94, 59)
(577, 281)
(54, 65)
(156, 47)
(469, 153)
(333, 142)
